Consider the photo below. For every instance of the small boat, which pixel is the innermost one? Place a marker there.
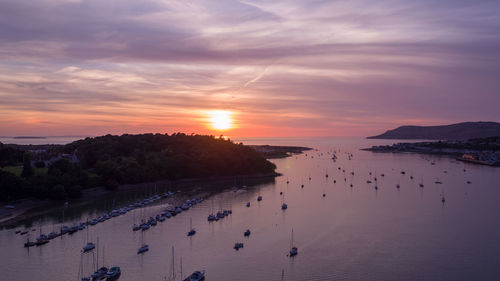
(142, 249)
(294, 250)
(191, 231)
(89, 247)
(73, 229)
(398, 186)
(113, 273)
(29, 244)
(325, 194)
(196, 276)
(145, 226)
(284, 206)
(259, 198)
(247, 233)
(41, 241)
(237, 246)
(100, 273)
(220, 215)
(248, 204)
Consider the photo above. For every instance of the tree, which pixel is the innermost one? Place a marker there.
(74, 191)
(111, 184)
(58, 192)
(28, 170)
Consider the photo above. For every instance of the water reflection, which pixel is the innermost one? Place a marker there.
(352, 233)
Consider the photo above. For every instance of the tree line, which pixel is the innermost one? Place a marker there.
(113, 160)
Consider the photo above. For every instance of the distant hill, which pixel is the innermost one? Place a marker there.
(460, 131)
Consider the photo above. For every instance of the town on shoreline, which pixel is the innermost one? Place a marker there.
(484, 151)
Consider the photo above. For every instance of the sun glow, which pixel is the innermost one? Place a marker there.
(220, 119)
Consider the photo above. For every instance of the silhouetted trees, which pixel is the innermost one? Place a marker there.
(113, 160)
(28, 170)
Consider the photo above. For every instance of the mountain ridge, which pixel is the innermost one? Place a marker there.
(458, 131)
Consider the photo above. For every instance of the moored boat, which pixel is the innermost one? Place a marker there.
(113, 273)
(196, 276)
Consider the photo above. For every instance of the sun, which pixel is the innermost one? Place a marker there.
(220, 119)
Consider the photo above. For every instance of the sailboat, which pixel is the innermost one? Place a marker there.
(172, 276)
(284, 206)
(144, 247)
(196, 276)
(90, 246)
(191, 231)
(293, 251)
(100, 273)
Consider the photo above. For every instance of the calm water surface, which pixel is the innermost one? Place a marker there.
(353, 233)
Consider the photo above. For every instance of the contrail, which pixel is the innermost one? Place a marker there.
(257, 78)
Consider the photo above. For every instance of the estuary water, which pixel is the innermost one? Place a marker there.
(356, 232)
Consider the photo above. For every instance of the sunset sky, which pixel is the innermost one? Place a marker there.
(275, 68)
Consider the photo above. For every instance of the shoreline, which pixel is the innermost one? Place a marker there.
(30, 207)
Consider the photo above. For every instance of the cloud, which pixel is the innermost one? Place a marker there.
(277, 64)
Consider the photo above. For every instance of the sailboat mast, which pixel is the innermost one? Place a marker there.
(87, 230)
(181, 269)
(173, 264)
(97, 265)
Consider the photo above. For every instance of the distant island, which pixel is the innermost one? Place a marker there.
(485, 151)
(28, 137)
(64, 171)
(460, 131)
(273, 151)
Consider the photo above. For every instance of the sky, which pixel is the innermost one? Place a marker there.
(276, 68)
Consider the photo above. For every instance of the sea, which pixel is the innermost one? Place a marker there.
(361, 216)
